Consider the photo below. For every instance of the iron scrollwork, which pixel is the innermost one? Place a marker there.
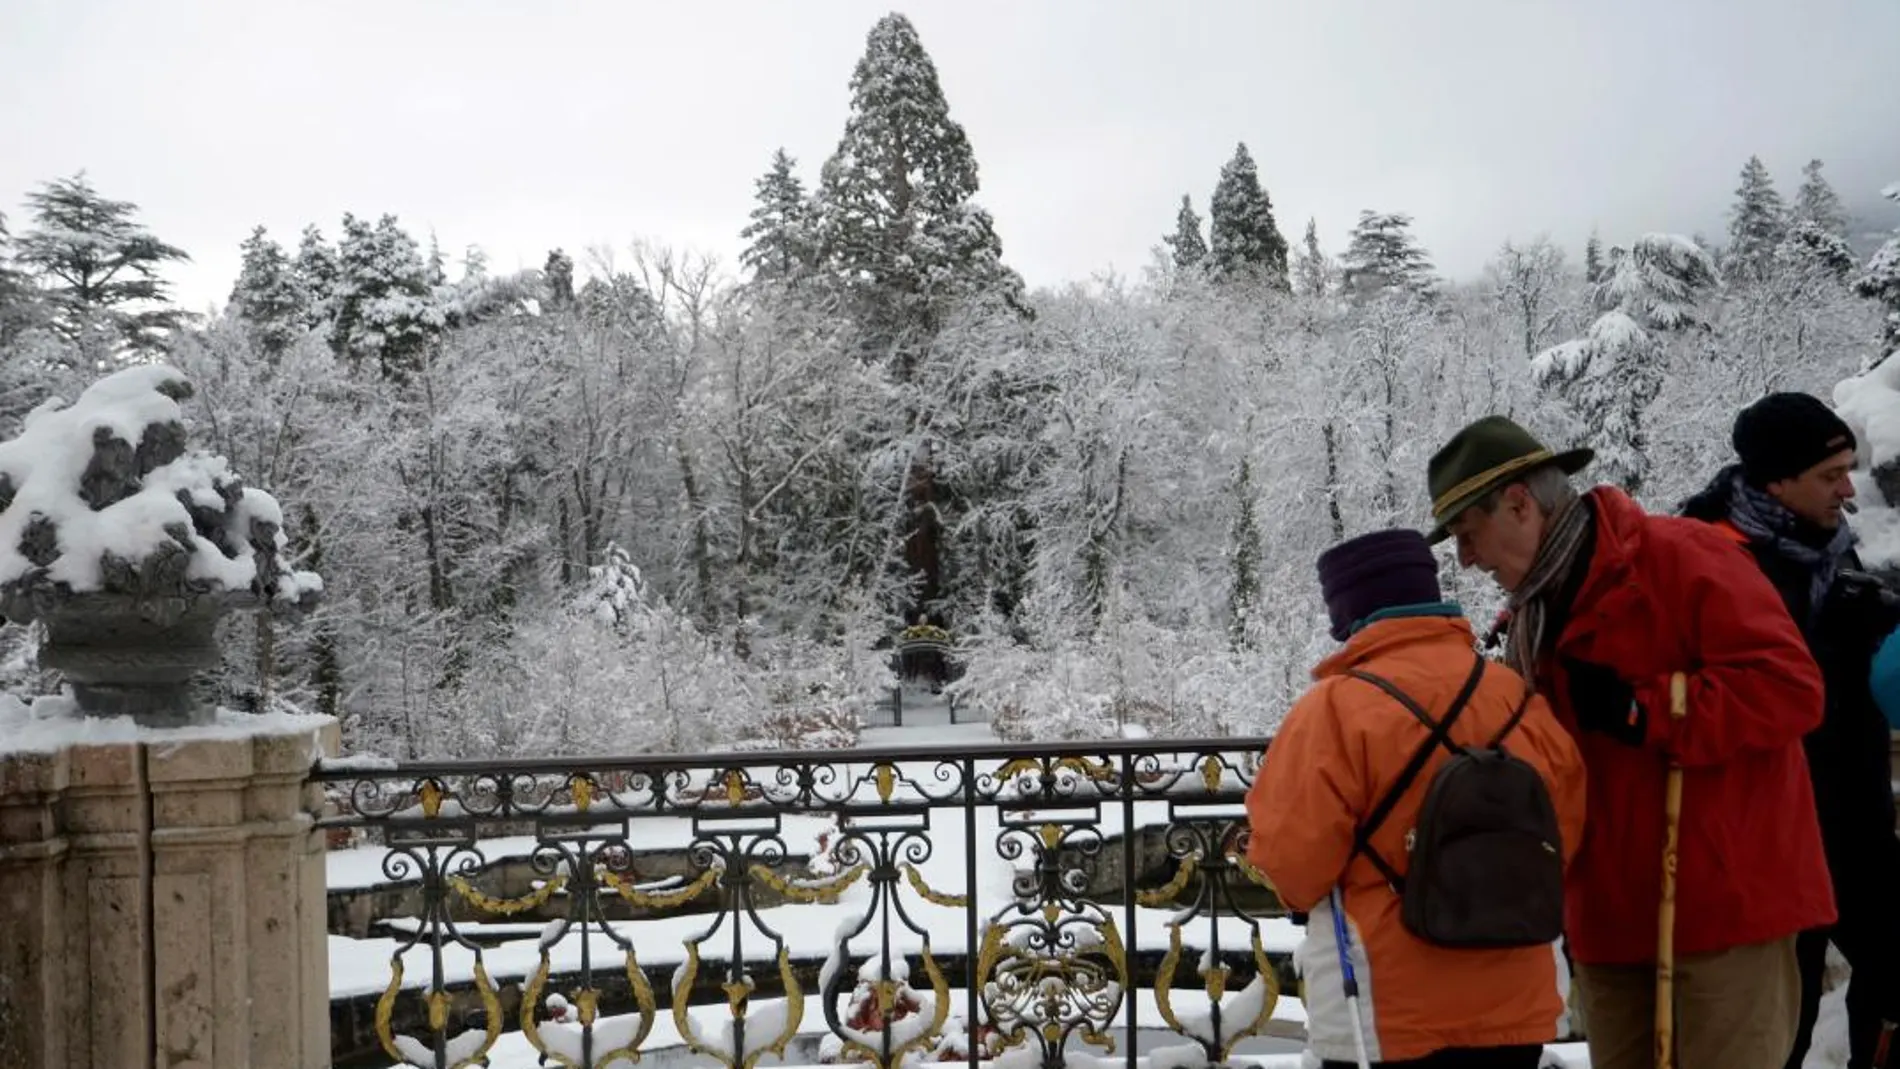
(939, 907)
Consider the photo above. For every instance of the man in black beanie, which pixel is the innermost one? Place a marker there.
(1785, 500)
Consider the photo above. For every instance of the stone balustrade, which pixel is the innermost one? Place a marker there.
(163, 896)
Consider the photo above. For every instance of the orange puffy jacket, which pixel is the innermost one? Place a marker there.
(1342, 745)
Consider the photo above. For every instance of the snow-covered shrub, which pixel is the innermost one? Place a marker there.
(1135, 678)
(616, 669)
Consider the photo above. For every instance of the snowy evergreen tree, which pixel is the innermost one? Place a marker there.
(1382, 256)
(1815, 246)
(1593, 259)
(267, 295)
(1190, 249)
(19, 310)
(1816, 203)
(1612, 374)
(1880, 281)
(780, 233)
(384, 304)
(1244, 241)
(558, 277)
(98, 269)
(318, 274)
(1313, 272)
(435, 271)
(897, 220)
(1757, 223)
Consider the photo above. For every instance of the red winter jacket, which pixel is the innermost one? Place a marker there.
(1665, 594)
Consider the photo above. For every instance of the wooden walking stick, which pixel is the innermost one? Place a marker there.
(1666, 917)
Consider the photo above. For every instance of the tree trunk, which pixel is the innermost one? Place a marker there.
(1331, 434)
(923, 540)
(566, 527)
(440, 597)
(702, 536)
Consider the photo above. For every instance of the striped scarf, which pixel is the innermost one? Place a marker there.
(1759, 516)
(1530, 603)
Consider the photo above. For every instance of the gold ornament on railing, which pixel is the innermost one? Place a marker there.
(587, 1001)
(738, 996)
(438, 1004)
(506, 906)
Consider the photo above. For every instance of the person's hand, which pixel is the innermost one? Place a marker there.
(1604, 702)
(1864, 606)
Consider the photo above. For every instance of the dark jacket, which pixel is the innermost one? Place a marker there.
(1848, 755)
(1662, 595)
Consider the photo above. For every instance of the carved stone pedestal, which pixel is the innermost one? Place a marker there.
(162, 899)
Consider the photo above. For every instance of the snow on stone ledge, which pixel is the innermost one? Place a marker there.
(52, 723)
(44, 469)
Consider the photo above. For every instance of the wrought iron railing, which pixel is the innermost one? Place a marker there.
(1012, 904)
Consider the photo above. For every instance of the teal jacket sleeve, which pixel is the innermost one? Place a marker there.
(1886, 679)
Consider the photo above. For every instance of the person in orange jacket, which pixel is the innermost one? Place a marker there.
(1340, 750)
(1607, 603)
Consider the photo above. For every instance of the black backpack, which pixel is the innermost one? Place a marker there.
(1485, 861)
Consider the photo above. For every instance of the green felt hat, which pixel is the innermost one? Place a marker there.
(1481, 458)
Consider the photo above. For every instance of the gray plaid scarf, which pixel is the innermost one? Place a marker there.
(1530, 602)
(1763, 519)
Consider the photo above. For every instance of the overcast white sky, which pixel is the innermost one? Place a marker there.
(523, 126)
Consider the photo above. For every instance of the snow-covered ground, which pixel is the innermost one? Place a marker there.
(361, 967)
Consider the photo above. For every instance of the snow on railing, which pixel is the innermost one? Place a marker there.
(1026, 904)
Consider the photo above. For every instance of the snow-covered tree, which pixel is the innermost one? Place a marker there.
(1816, 203)
(97, 269)
(318, 273)
(1612, 374)
(1757, 223)
(1383, 255)
(896, 217)
(19, 306)
(1244, 242)
(1529, 282)
(383, 302)
(780, 236)
(1593, 259)
(558, 279)
(1189, 248)
(1313, 273)
(268, 297)
(1880, 280)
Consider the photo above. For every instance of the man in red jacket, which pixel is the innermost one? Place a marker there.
(1606, 603)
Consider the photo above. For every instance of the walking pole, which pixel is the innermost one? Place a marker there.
(1352, 979)
(1666, 918)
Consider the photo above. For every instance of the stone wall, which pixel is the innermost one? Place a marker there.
(162, 898)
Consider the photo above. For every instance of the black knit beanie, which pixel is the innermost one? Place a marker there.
(1785, 434)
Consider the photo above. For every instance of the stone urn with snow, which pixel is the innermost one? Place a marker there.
(129, 547)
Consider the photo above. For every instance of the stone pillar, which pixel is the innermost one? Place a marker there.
(163, 899)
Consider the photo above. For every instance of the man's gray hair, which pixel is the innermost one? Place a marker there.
(1547, 485)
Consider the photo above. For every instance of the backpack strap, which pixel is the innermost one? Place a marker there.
(1439, 734)
(1523, 706)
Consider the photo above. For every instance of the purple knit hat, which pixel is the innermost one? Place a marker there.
(1381, 570)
